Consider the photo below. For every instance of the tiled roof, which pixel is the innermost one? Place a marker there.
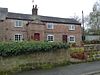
(19, 16)
(42, 18)
(59, 20)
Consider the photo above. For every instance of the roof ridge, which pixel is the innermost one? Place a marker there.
(18, 13)
(54, 17)
(39, 15)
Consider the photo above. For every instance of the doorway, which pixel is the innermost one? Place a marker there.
(37, 36)
(64, 38)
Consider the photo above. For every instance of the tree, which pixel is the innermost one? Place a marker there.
(94, 19)
(77, 18)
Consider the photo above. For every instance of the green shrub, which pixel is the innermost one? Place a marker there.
(76, 49)
(18, 48)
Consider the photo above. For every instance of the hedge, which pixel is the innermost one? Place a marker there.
(18, 48)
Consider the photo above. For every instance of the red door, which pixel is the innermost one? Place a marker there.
(64, 38)
(37, 36)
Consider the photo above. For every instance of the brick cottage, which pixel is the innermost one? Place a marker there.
(20, 27)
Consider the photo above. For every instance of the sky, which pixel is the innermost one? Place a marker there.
(56, 8)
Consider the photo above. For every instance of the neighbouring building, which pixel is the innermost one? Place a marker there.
(90, 37)
(20, 27)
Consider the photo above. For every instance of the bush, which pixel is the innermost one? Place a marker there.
(18, 48)
(78, 55)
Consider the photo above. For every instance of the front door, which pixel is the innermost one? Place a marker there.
(64, 38)
(37, 36)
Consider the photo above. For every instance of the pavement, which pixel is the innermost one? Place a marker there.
(92, 73)
(90, 68)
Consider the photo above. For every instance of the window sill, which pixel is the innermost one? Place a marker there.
(50, 28)
(18, 27)
(71, 41)
(71, 29)
(50, 41)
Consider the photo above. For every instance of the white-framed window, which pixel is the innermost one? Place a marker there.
(50, 26)
(18, 37)
(18, 23)
(50, 38)
(71, 38)
(71, 27)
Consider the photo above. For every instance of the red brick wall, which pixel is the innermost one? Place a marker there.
(8, 30)
(62, 29)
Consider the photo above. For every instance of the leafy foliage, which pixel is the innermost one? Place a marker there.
(93, 20)
(18, 48)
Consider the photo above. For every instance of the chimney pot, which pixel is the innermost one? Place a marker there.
(35, 10)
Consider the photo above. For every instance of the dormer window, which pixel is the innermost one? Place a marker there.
(18, 23)
(50, 26)
(71, 27)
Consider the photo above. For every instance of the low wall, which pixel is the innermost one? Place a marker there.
(92, 51)
(18, 63)
(53, 57)
(92, 47)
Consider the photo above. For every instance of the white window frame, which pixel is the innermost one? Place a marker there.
(70, 39)
(52, 25)
(48, 38)
(21, 38)
(72, 27)
(18, 23)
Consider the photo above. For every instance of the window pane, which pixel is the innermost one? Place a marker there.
(71, 38)
(50, 26)
(72, 27)
(18, 37)
(50, 38)
(18, 23)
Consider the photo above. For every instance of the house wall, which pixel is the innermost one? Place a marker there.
(1, 30)
(8, 30)
(63, 29)
(77, 33)
(36, 28)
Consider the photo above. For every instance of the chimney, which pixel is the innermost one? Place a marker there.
(35, 10)
(3, 13)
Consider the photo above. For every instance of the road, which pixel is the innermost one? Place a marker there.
(76, 69)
